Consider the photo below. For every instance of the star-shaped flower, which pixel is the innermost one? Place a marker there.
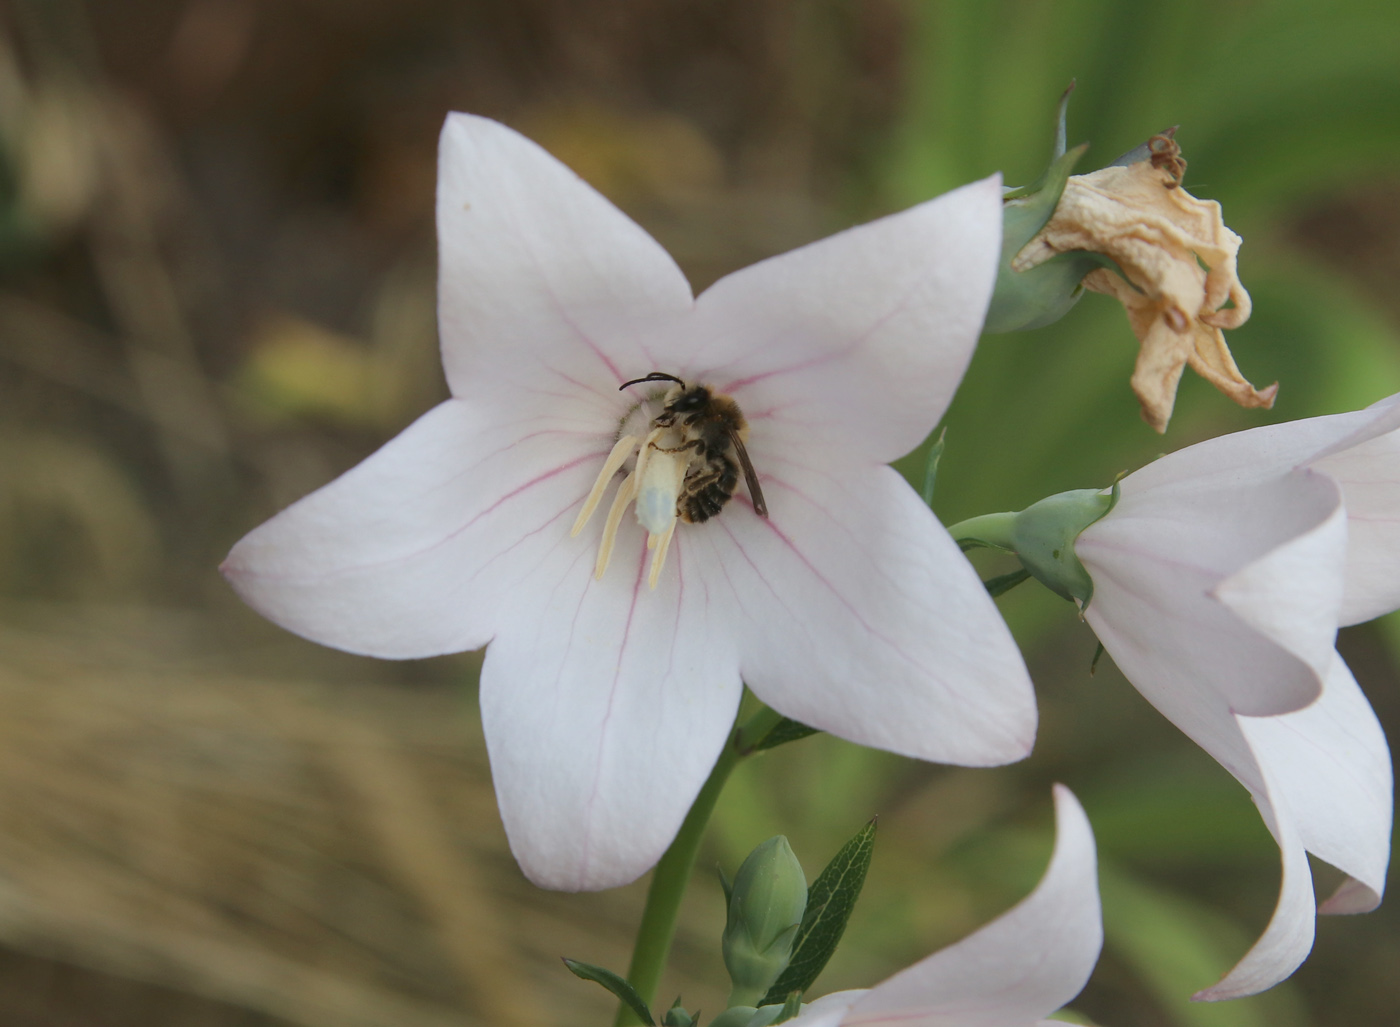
(1015, 971)
(605, 701)
(1220, 579)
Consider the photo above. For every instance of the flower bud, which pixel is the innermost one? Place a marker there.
(766, 903)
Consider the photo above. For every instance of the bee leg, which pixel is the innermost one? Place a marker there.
(692, 444)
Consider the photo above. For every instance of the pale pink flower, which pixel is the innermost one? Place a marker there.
(605, 701)
(1220, 580)
(1014, 972)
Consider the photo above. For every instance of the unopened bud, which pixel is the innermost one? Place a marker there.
(766, 904)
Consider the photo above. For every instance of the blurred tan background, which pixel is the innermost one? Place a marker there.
(216, 293)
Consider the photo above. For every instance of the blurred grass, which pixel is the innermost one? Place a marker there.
(216, 282)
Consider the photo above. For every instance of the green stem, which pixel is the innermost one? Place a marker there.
(991, 530)
(672, 873)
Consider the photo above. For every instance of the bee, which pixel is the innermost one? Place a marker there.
(713, 428)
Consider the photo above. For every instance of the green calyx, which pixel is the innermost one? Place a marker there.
(1042, 537)
(1043, 294)
(766, 903)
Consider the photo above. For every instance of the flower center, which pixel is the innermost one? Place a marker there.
(688, 459)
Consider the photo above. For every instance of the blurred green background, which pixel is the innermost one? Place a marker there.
(216, 293)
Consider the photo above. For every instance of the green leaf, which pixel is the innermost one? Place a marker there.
(1004, 583)
(830, 900)
(615, 984)
(935, 454)
(784, 731)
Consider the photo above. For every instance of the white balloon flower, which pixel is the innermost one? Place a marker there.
(1219, 581)
(618, 652)
(1014, 972)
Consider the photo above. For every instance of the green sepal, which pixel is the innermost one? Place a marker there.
(725, 884)
(1056, 153)
(792, 1005)
(1098, 655)
(1004, 583)
(784, 731)
(1043, 294)
(935, 455)
(676, 1016)
(830, 900)
(614, 983)
(1044, 536)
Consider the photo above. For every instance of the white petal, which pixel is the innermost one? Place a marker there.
(1367, 466)
(409, 553)
(1156, 561)
(856, 614)
(1330, 763)
(1020, 967)
(1327, 791)
(1292, 594)
(1361, 450)
(605, 705)
(1288, 939)
(857, 341)
(547, 293)
(1247, 457)
(828, 1010)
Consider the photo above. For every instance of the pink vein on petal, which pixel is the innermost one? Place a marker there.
(426, 549)
(835, 354)
(586, 841)
(836, 592)
(559, 306)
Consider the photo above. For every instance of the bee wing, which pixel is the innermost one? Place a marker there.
(750, 476)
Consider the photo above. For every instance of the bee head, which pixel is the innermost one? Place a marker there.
(682, 399)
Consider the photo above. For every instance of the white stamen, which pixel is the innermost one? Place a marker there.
(654, 484)
(625, 494)
(621, 450)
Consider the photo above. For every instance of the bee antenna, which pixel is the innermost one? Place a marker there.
(655, 376)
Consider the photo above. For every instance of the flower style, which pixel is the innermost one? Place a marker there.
(1220, 579)
(605, 701)
(1015, 971)
(1138, 215)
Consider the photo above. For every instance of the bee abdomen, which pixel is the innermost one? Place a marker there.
(705, 493)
